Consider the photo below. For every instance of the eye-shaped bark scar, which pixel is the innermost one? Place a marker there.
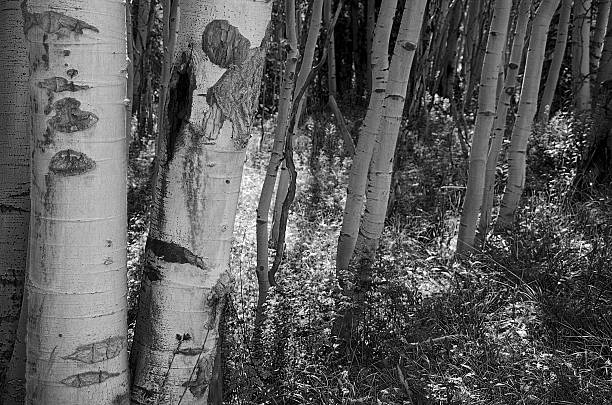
(224, 45)
(88, 378)
(52, 22)
(70, 118)
(71, 163)
(58, 85)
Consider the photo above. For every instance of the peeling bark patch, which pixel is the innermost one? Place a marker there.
(198, 385)
(88, 378)
(236, 94)
(181, 87)
(52, 22)
(71, 163)
(224, 45)
(98, 351)
(70, 118)
(173, 253)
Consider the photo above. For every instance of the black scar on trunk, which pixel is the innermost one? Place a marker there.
(173, 253)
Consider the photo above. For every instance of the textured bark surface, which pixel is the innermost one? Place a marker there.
(76, 331)
(484, 123)
(278, 148)
(212, 92)
(15, 174)
(581, 51)
(365, 145)
(381, 167)
(526, 112)
(555, 65)
(510, 90)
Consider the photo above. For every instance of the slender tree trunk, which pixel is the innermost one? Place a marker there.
(472, 36)
(76, 330)
(13, 392)
(597, 43)
(484, 124)
(381, 168)
(207, 115)
(370, 24)
(282, 125)
(15, 174)
(305, 68)
(511, 86)
(526, 112)
(581, 54)
(331, 58)
(365, 145)
(555, 66)
(604, 71)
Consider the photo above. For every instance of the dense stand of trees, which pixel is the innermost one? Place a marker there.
(85, 84)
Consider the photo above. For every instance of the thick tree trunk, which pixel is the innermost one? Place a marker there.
(555, 66)
(207, 117)
(597, 43)
(484, 123)
(581, 51)
(76, 331)
(526, 112)
(511, 86)
(15, 174)
(365, 145)
(381, 168)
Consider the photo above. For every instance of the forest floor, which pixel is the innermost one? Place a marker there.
(529, 321)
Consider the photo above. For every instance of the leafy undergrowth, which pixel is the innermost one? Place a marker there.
(528, 321)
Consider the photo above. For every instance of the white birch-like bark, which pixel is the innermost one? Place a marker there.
(526, 112)
(367, 135)
(76, 284)
(484, 123)
(306, 66)
(557, 60)
(15, 174)
(511, 86)
(207, 113)
(581, 51)
(278, 149)
(599, 31)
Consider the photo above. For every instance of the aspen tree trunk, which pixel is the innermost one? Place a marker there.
(14, 172)
(76, 330)
(526, 112)
(484, 123)
(331, 58)
(278, 148)
(511, 86)
(370, 24)
(599, 31)
(472, 35)
(381, 168)
(581, 54)
(555, 66)
(13, 391)
(605, 64)
(367, 135)
(305, 67)
(207, 114)
(597, 43)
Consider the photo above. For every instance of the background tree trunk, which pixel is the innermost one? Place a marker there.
(15, 174)
(365, 145)
(484, 123)
(555, 66)
(500, 126)
(526, 112)
(581, 55)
